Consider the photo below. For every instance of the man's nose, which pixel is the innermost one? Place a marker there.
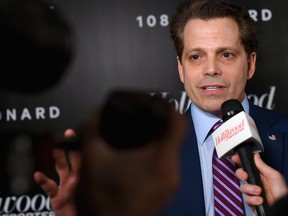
(212, 68)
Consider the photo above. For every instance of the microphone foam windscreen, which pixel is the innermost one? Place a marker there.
(230, 108)
(132, 119)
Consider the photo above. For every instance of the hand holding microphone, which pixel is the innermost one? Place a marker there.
(273, 182)
(238, 134)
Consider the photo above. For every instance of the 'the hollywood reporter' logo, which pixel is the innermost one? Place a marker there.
(183, 103)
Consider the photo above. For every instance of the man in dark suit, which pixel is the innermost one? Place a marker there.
(216, 54)
(189, 199)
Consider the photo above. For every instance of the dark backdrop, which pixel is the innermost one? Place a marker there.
(119, 44)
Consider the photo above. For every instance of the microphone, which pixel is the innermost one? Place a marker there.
(128, 120)
(132, 119)
(239, 134)
(238, 127)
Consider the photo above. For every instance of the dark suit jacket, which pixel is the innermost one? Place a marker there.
(189, 199)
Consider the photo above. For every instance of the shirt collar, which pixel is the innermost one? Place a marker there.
(203, 121)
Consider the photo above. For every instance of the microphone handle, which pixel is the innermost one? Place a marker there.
(247, 161)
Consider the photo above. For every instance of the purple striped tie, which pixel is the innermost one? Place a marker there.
(227, 195)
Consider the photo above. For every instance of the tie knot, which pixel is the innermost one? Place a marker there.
(216, 125)
(213, 128)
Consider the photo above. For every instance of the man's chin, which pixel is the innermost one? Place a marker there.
(213, 107)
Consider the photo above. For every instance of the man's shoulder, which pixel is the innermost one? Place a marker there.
(269, 117)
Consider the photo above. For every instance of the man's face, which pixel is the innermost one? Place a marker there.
(214, 65)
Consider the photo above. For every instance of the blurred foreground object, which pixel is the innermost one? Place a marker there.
(36, 45)
(130, 156)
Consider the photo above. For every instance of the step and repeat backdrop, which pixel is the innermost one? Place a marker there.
(118, 44)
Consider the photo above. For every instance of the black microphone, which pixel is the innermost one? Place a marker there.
(229, 109)
(132, 119)
(127, 120)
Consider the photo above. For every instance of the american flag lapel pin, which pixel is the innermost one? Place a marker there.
(272, 137)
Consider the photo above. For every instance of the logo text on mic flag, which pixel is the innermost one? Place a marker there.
(238, 129)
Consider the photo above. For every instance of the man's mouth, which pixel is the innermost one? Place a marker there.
(211, 88)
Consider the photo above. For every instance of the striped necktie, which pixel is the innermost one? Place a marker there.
(227, 195)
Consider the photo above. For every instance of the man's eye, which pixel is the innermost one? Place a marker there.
(227, 55)
(195, 57)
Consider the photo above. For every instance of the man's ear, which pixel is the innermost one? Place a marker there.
(180, 69)
(251, 65)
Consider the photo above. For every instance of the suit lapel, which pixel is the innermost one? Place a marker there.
(271, 137)
(191, 190)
